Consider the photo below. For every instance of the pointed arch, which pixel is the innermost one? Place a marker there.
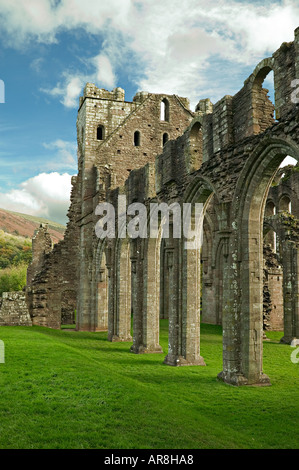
(249, 205)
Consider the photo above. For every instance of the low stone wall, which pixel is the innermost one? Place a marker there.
(14, 310)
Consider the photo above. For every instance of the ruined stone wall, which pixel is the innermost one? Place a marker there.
(239, 147)
(14, 310)
(41, 246)
(106, 164)
(228, 151)
(52, 290)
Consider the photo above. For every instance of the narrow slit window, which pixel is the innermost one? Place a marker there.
(100, 133)
(137, 139)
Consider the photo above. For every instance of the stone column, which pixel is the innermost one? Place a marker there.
(102, 299)
(171, 264)
(231, 372)
(184, 304)
(151, 295)
(146, 263)
(84, 317)
(290, 291)
(119, 292)
(137, 296)
(111, 292)
(242, 314)
(122, 318)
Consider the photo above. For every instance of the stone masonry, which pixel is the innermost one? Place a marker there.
(14, 310)
(156, 150)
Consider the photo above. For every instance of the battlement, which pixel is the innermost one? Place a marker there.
(92, 91)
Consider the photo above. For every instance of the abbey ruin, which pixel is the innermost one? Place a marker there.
(155, 149)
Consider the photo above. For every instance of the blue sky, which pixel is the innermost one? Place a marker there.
(51, 48)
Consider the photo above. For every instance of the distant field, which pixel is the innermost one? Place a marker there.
(24, 225)
(40, 220)
(68, 389)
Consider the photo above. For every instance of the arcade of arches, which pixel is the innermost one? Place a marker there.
(226, 156)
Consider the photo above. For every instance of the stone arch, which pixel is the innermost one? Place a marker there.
(284, 204)
(263, 109)
(270, 208)
(247, 263)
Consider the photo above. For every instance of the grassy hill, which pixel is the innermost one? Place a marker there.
(24, 225)
(16, 231)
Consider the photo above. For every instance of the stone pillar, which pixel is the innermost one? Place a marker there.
(184, 304)
(102, 297)
(164, 283)
(137, 296)
(209, 281)
(172, 256)
(85, 320)
(290, 291)
(242, 315)
(231, 372)
(122, 318)
(146, 263)
(111, 292)
(119, 305)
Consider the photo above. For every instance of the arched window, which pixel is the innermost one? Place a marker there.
(137, 138)
(271, 239)
(285, 204)
(270, 209)
(165, 138)
(100, 132)
(164, 110)
(263, 103)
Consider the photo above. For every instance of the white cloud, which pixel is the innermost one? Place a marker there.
(167, 46)
(104, 71)
(68, 90)
(65, 154)
(45, 195)
(41, 20)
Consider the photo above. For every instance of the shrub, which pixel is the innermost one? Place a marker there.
(13, 278)
(14, 250)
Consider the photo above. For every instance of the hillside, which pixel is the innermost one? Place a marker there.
(24, 225)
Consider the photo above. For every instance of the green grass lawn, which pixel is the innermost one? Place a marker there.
(68, 389)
